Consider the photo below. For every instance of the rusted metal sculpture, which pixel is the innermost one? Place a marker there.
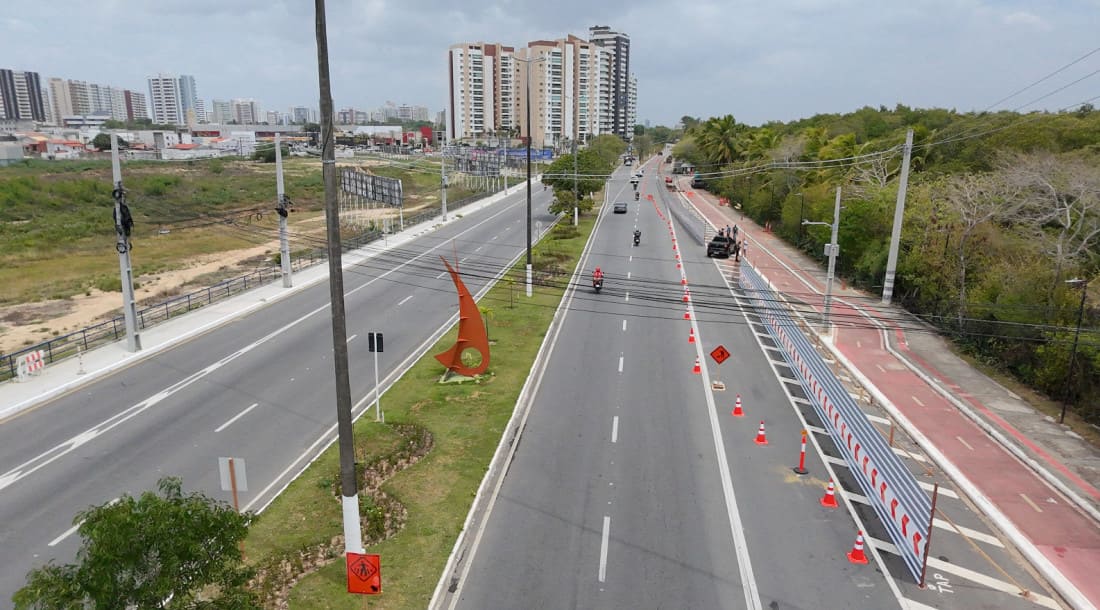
(471, 332)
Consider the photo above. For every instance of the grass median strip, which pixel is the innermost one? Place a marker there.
(426, 461)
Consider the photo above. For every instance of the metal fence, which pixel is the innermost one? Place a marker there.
(889, 485)
(71, 344)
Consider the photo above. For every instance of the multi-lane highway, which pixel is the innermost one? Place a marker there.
(259, 388)
(632, 486)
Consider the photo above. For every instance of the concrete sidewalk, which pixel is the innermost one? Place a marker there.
(70, 374)
(1034, 478)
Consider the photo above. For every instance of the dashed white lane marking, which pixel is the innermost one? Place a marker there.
(977, 577)
(352, 338)
(627, 297)
(631, 258)
(615, 429)
(950, 493)
(620, 363)
(859, 344)
(628, 275)
(404, 300)
(917, 400)
(603, 547)
(441, 275)
(495, 236)
(72, 530)
(965, 444)
(236, 417)
(1032, 504)
(624, 326)
(940, 523)
(478, 249)
(880, 368)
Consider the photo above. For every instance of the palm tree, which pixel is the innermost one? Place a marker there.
(721, 140)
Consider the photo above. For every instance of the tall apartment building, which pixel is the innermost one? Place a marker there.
(564, 89)
(21, 96)
(482, 93)
(632, 104)
(618, 46)
(47, 107)
(191, 106)
(221, 112)
(136, 107)
(246, 111)
(165, 99)
(61, 98)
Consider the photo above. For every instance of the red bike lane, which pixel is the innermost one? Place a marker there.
(1065, 536)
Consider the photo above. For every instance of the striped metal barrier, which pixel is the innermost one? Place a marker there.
(889, 485)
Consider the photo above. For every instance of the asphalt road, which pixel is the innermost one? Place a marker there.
(176, 413)
(632, 487)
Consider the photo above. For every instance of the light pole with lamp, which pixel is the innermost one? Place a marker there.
(529, 260)
(831, 248)
(1083, 285)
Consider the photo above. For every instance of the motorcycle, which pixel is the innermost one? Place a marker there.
(636, 196)
(637, 238)
(597, 284)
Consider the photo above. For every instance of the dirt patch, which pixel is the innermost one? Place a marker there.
(27, 324)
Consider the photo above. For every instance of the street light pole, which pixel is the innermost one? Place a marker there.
(1083, 285)
(801, 217)
(529, 178)
(834, 247)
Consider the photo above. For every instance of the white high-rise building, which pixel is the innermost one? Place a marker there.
(632, 105)
(61, 99)
(221, 112)
(165, 99)
(618, 83)
(190, 104)
(246, 111)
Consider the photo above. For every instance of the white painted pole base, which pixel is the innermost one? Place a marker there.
(529, 280)
(353, 534)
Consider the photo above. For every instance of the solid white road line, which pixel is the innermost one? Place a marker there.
(236, 417)
(352, 338)
(603, 547)
(615, 429)
(404, 300)
(72, 530)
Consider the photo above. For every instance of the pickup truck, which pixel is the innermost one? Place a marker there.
(720, 246)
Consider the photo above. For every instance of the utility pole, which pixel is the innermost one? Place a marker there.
(1084, 286)
(280, 194)
(353, 537)
(834, 248)
(576, 199)
(528, 103)
(123, 224)
(899, 214)
(443, 173)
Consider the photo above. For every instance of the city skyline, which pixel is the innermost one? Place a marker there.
(759, 62)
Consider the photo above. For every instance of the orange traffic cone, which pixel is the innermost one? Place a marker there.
(737, 412)
(829, 499)
(677, 264)
(686, 295)
(761, 438)
(856, 555)
(696, 369)
(687, 314)
(683, 281)
(691, 335)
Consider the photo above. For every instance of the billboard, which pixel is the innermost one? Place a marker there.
(359, 183)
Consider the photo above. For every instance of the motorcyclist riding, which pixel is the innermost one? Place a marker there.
(637, 237)
(597, 275)
(636, 195)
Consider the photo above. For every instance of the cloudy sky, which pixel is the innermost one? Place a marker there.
(758, 60)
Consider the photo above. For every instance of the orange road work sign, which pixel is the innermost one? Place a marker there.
(364, 574)
(720, 354)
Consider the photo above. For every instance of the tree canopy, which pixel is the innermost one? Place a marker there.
(159, 550)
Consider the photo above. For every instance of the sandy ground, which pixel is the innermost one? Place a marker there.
(27, 324)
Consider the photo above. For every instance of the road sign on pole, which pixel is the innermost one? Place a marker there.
(720, 354)
(364, 574)
(374, 345)
(233, 477)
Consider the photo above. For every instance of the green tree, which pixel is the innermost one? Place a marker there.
(722, 140)
(266, 154)
(644, 146)
(608, 147)
(160, 550)
(311, 127)
(563, 203)
(102, 141)
(592, 171)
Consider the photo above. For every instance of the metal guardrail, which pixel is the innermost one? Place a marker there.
(71, 344)
(889, 485)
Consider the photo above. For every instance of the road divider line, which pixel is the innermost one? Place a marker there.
(615, 429)
(72, 530)
(603, 547)
(236, 417)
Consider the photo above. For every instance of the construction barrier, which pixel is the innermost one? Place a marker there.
(30, 363)
(891, 488)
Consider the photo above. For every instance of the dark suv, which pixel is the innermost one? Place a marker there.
(620, 207)
(720, 246)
